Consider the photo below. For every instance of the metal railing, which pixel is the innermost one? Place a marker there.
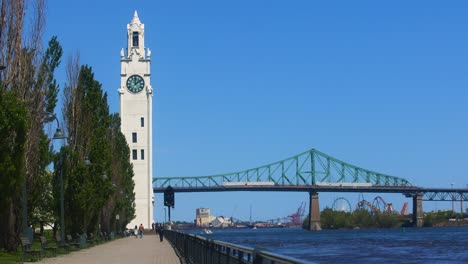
(199, 250)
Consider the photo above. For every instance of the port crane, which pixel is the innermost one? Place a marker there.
(296, 218)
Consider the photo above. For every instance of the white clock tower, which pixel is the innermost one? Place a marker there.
(136, 113)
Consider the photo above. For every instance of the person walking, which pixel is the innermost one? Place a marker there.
(135, 231)
(160, 230)
(141, 230)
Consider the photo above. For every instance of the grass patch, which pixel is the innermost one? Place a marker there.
(9, 258)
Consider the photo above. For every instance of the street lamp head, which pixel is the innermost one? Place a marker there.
(104, 176)
(86, 161)
(59, 134)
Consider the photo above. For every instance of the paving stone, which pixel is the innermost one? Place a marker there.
(147, 250)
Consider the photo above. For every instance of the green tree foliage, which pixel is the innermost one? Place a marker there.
(50, 62)
(44, 211)
(96, 192)
(30, 89)
(36, 88)
(362, 218)
(87, 189)
(388, 220)
(123, 200)
(441, 218)
(330, 219)
(28, 76)
(39, 152)
(13, 131)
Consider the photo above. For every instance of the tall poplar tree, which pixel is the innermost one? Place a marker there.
(123, 199)
(94, 190)
(28, 76)
(13, 129)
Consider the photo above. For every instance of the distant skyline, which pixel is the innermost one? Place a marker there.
(239, 84)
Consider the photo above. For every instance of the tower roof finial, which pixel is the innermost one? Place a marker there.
(135, 19)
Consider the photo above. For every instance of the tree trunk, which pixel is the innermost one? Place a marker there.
(9, 230)
(42, 228)
(54, 229)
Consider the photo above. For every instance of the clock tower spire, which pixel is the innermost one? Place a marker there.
(136, 96)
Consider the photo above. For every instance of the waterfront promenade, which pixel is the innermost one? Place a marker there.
(147, 250)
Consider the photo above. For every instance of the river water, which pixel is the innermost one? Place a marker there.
(409, 245)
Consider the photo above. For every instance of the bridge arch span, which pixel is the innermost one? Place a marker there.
(311, 168)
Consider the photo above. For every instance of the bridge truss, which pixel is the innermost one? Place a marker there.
(310, 168)
(445, 195)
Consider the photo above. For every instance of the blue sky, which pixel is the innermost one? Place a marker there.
(239, 84)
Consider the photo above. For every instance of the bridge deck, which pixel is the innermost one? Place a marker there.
(147, 250)
(293, 188)
(429, 194)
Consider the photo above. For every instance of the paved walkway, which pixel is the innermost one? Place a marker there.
(147, 250)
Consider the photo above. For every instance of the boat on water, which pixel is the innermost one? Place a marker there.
(207, 231)
(252, 226)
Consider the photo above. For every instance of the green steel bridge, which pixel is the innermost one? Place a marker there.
(311, 171)
(310, 168)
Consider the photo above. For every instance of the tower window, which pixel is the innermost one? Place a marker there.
(142, 121)
(134, 154)
(135, 39)
(142, 154)
(134, 137)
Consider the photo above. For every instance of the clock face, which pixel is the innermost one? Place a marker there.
(135, 83)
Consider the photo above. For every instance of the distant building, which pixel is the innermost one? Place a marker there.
(203, 217)
(221, 221)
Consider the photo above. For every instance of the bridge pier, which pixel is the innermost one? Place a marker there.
(461, 203)
(314, 212)
(418, 215)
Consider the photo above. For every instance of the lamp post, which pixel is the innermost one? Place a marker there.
(60, 135)
(117, 217)
(24, 201)
(164, 216)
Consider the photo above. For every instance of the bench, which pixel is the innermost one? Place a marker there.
(102, 237)
(105, 236)
(45, 246)
(62, 244)
(71, 242)
(97, 238)
(27, 250)
(89, 239)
